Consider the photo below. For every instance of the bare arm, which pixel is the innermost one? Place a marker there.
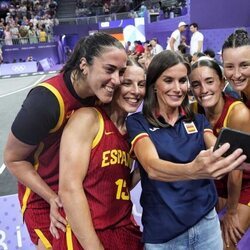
(15, 155)
(209, 138)
(199, 46)
(171, 43)
(207, 164)
(239, 119)
(75, 152)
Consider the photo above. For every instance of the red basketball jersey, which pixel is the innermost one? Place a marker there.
(221, 184)
(45, 158)
(107, 182)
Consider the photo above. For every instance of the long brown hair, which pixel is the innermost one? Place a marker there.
(160, 62)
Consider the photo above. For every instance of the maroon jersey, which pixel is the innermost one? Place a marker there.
(221, 184)
(107, 182)
(45, 158)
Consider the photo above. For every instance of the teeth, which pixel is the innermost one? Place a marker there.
(109, 89)
(133, 100)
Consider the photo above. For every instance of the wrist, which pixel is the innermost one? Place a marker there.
(231, 209)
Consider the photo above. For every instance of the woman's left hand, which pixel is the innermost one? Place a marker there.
(232, 232)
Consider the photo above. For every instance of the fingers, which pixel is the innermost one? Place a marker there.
(224, 165)
(58, 220)
(58, 201)
(221, 150)
(226, 238)
(230, 164)
(54, 231)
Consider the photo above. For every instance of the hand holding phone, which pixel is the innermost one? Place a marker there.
(236, 139)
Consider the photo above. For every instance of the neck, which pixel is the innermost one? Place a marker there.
(214, 113)
(80, 86)
(170, 115)
(246, 91)
(117, 116)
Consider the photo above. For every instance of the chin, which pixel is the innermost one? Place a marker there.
(105, 99)
(239, 87)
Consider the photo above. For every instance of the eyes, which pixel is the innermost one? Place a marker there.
(111, 70)
(243, 66)
(197, 84)
(128, 83)
(170, 80)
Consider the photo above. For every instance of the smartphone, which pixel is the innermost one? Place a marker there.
(237, 139)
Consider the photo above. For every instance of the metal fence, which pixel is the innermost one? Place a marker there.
(25, 40)
(96, 19)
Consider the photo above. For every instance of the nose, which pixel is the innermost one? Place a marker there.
(135, 89)
(115, 78)
(203, 87)
(177, 86)
(236, 72)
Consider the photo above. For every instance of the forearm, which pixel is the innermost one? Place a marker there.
(171, 43)
(78, 215)
(199, 46)
(167, 171)
(26, 174)
(234, 189)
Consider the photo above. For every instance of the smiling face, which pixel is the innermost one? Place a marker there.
(236, 63)
(171, 87)
(206, 86)
(106, 73)
(132, 89)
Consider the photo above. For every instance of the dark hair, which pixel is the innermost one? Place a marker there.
(187, 57)
(209, 52)
(195, 25)
(198, 54)
(237, 39)
(88, 48)
(160, 62)
(210, 64)
(182, 48)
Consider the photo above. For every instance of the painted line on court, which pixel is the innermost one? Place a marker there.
(2, 168)
(19, 90)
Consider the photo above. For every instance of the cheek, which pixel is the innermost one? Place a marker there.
(228, 73)
(246, 72)
(196, 92)
(184, 88)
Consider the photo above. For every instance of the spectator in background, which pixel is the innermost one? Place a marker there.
(14, 28)
(196, 56)
(138, 50)
(182, 49)
(156, 47)
(7, 35)
(42, 35)
(197, 38)
(210, 53)
(146, 57)
(32, 34)
(128, 48)
(175, 38)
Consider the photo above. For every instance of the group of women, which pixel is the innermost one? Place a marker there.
(95, 91)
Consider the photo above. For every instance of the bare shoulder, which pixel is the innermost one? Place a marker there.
(85, 118)
(240, 118)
